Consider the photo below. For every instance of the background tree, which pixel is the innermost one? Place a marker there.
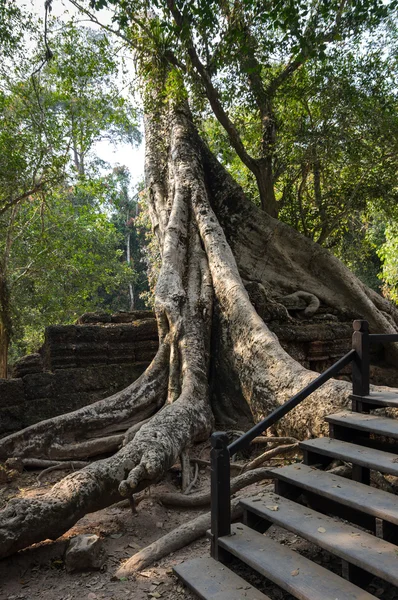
(126, 211)
(51, 123)
(64, 260)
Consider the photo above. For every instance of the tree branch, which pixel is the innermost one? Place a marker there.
(36, 188)
(212, 93)
(169, 55)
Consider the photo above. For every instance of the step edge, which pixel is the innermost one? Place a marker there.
(368, 509)
(328, 546)
(306, 445)
(298, 557)
(362, 424)
(208, 560)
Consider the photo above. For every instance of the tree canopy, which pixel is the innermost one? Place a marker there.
(298, 100)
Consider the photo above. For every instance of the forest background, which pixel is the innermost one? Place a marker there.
(74, 229)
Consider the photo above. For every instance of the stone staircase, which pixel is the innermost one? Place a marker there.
(347, 518)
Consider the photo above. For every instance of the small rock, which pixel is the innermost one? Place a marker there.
(15, 464)
(7, 475)
(85, 553)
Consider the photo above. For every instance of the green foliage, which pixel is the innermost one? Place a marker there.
(60, 253)
(341, 124)
(14, 21)
(388, 254)
(337, 119)
(126, 209)
(64, 260)
(81, 92)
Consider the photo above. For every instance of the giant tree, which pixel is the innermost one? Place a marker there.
(213, 241)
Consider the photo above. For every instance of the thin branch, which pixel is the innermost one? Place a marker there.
(36, 188)
(298, 61)
(94, 19)
(195, 477)
(60, 466)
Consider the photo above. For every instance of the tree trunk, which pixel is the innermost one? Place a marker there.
(263, 172)
(211, 237)
(5, 325)
(4, 342)
(128, 260)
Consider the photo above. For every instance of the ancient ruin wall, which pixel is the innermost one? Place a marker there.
(101, 354)
(77, 365)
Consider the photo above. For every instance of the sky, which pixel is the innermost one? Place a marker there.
(123, 154)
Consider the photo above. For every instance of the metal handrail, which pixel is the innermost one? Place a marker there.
(374, 338)
(281, 411)
(221, 452)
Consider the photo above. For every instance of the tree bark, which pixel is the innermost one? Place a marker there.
(263, 172)
(211, 237)
(5, 324)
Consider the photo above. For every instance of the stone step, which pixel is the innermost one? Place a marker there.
(211, 580)
(353, 497)
(369, 458)
(365, 422)
(377, 399)
(356, 547)
(289, 570)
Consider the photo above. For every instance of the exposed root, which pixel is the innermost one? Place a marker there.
(185, 470)
(206, 463)
(262, 439)
(380, 481)
(171, 542)
(30, 463)
(88, 449)
(194, 480)
(342, 471)
(312, 301)
(174, 540)
(203, 499)
(277, 451)
(74, 465)
(133, 430)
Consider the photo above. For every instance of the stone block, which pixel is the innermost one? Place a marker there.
(12, 418)
(39, 385)
(11, 392)
(32, 363)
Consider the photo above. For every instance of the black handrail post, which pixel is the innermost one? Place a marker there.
(220, 490)
(360, 365)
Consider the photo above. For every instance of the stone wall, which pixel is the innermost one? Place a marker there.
(77, 365)
(102, 354)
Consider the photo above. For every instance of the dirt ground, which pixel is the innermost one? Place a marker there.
(39, 571)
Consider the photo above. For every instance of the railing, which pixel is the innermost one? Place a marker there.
(221, 452)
